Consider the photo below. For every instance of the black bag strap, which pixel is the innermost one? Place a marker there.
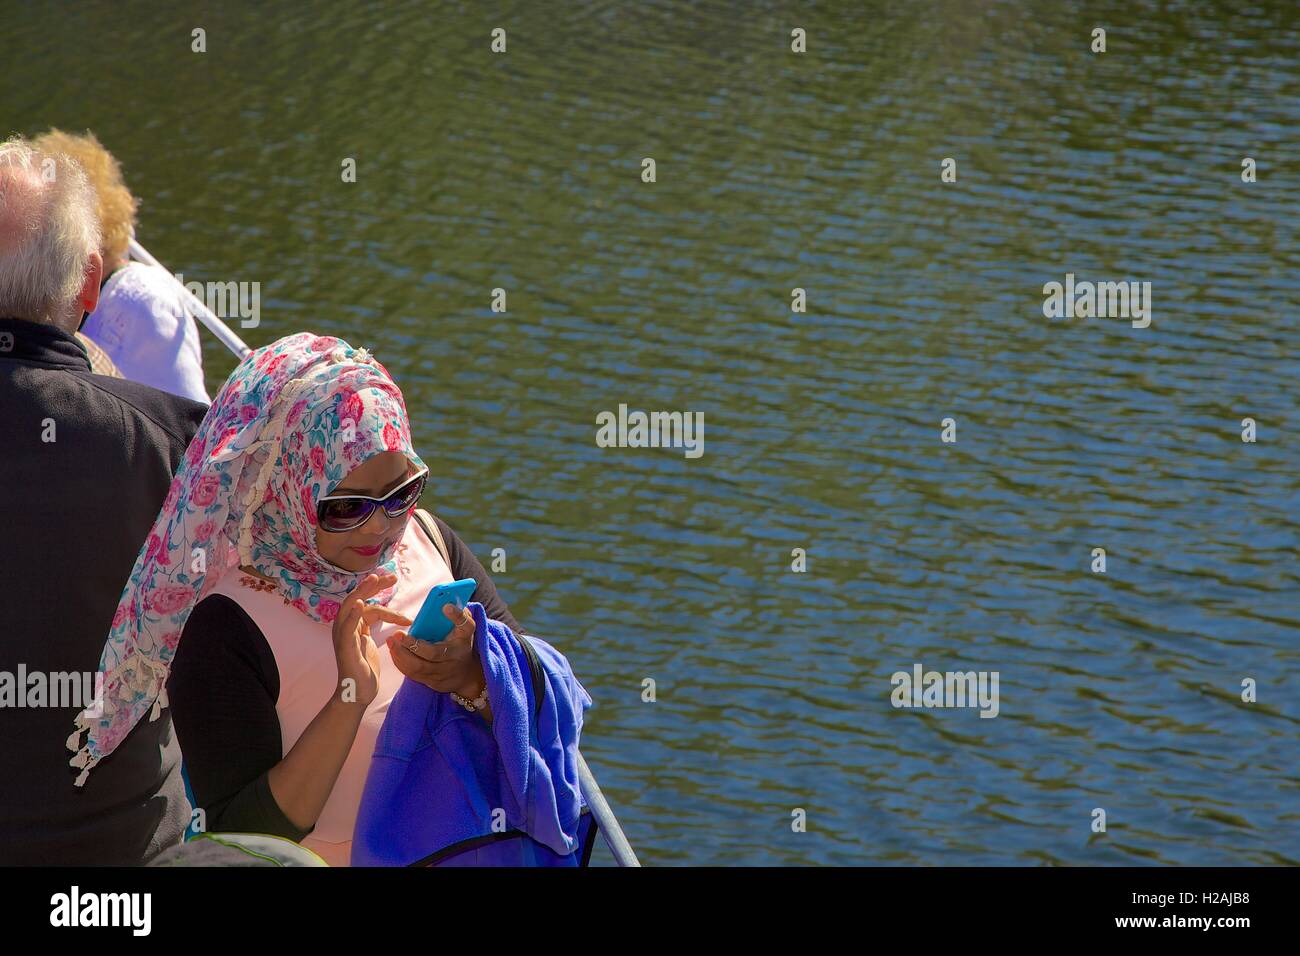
(539, 678)
(534, 663)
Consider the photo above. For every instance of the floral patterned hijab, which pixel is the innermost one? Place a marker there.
(293, 419)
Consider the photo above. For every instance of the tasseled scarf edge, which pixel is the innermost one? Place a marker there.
(153, 686)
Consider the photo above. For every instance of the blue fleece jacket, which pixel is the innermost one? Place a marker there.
(446, 788)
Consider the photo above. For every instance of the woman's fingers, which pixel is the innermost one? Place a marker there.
(371, 585)
(409, 663)
(372, 656)
(462, 620)
(457, 615)
(443, 655)
(355, 601)
(429, 660)
(355, 606)
(402, 656)
(426, 650)
(425, 673)
(377, 612)
(462, 635)
(346, 622)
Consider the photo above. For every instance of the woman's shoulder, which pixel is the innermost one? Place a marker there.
(220, 634)
(217, 601)
(221, 612)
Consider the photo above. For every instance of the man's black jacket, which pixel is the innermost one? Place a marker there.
(85, 464)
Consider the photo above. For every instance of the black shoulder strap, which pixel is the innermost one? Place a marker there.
(534, 665)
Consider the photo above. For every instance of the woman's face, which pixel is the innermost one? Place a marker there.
(359, 549)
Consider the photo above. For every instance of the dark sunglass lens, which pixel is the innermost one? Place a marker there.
(405, 499)
(344, 513)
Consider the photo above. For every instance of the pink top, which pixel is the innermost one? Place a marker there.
(304, 656)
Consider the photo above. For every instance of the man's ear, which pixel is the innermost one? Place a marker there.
(88, 297)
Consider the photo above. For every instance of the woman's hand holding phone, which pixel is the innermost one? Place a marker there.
(450, 666)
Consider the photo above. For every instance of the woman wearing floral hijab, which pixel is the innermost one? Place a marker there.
(283, 556)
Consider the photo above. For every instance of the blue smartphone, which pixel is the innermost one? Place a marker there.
(431, 624)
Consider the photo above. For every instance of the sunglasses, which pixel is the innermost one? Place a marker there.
(338, 513)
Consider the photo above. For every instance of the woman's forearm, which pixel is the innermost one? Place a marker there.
(302, 781)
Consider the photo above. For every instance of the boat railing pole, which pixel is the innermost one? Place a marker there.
(201, 312)
(615, 838)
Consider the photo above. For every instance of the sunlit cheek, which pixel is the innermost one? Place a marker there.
(330, 546)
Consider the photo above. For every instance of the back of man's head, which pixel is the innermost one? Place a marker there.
(49, 237)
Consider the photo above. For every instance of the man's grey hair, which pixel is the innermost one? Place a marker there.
(48, 229)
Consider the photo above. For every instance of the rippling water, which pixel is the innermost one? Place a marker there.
(820, 171)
